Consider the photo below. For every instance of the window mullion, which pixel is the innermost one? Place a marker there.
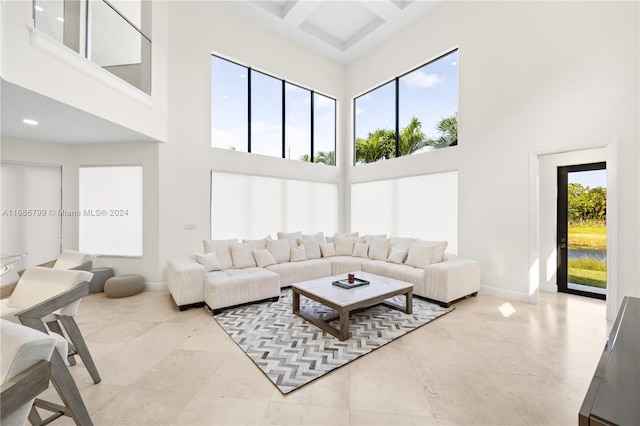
(397, 117)
(249, 72)
(312, 156)
(284, 146)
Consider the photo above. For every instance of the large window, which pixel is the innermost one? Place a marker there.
(423, 206)
(250, 206)
(413, 113)
(254, 112)
(110, 210)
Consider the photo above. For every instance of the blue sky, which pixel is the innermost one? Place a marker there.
(591, 178)
(229, 95)
(429, 93)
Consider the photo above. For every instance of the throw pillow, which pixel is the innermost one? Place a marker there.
(318, 236)
(208, 260)
(419, 255)
(379, 249)
(291, 236)
(311, 248)
(360, 250)
(297, 254)
(439, 248)
(242, 256)
(259, 244)
(328, 250)
(397, 256)
(368, 237)
(401, 243)
(344, 245)
(280, 250)
(342, 234)
(222, 249)
(263, 258)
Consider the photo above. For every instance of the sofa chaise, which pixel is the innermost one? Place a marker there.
(230, 272)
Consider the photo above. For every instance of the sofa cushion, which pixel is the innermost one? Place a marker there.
(360, 250)
(419, 255)
(311, 248)
(368, 237)
(328, 249)
(280, 249)
(344, 245)
(345, 264)
(438, 249)
(401, 243)
(242, 256)
(291, 236)
(263, 258)
(406, 273)
(259, 244)
(297, 254)
(236, 286)
(347, 235)
(397, 256)
(208, 260)
(222, 249)
(318, 236)
(295, 272)
(379, 249)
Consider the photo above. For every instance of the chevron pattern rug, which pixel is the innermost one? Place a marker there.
(292, 352)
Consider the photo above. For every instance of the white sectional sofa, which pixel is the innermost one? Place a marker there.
(230, 272)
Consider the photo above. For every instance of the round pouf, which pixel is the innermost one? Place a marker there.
(124, 285)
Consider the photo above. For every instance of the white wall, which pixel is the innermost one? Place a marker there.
(197, 29)
(534, 77)
(77, 81)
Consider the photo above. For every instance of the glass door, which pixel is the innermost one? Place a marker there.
(582, 230)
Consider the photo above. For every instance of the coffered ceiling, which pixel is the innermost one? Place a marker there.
(340, 30)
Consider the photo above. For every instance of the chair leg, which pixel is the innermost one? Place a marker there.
(55, 327)
(76, 338)
(34, 416)
(68, 391)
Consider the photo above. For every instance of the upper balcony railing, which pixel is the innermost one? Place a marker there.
(109, 33)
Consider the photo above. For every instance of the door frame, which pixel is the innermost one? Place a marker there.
(562, 227)
(535, 257)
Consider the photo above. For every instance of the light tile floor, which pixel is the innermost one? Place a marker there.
(489, 362)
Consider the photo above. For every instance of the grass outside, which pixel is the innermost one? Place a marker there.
(588, 236)
(588, 270)
(588, 277)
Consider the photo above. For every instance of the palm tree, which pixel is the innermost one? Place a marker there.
(412, 138)
(305, 158)
(449, 128)
(325, 157)
(379, 144)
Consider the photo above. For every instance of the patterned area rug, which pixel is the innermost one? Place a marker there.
(292, 352)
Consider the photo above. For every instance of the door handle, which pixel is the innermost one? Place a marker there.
(563, 243)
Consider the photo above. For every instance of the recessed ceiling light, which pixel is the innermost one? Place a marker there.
(38, 8)
(30, 122)
(60, 19)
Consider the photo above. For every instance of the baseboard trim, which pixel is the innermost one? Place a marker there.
(507, 294)
(151, 286)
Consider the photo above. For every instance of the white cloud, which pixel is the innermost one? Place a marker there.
(221, 138)
(420, 79)
(359, 111)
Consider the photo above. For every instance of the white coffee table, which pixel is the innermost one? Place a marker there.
(344, 301)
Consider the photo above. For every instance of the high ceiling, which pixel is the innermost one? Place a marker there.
(340, 30)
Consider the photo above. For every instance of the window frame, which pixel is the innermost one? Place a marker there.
(311, 150)
(396, 83)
